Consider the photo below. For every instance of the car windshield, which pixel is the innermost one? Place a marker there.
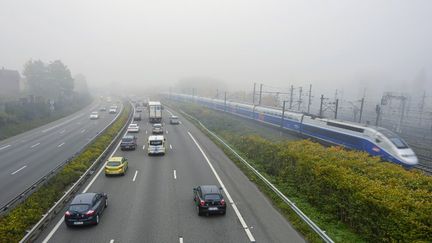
(79, 207)
(113, 163)
(156, 142)
(128, 139)
(133, 125)
(212, 197)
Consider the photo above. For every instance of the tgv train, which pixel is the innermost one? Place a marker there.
(377, 141)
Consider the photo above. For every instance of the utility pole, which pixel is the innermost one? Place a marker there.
(253, 96)
(225, 102)
(336, 108)
(260, 94)
(402, 114)
(283, 114)
(321, 106)
(361, 109)
(291, 96)
(378, 112)
(310, 98)
(421, 108)
(300, 98)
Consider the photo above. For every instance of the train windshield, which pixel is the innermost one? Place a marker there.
(397, 141)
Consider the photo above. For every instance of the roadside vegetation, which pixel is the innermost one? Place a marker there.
(49, 93)
(350, 195)
(13, 226)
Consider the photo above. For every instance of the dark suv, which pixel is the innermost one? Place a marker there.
(86, 208)
(208, 199)
(128, 142)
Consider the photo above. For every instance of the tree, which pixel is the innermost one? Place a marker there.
(36, 74)
(81, 85)
(61, 77)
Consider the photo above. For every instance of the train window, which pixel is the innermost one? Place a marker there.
(399, 143)
(377, 140)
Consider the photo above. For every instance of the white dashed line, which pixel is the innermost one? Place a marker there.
(166, 131)
(83, 130)
(181, 240)
(136, 173)
(146, 131)
(234, 206)
(62, 131)
(60, 145)
(175, 175)
(34, 145)
(13, 173)
(170, 146)
(143, 147)
(7, 146)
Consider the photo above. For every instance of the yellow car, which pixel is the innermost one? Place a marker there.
(116, 166)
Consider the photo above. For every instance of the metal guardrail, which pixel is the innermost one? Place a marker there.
(60, 204)
(27, 192)
(303, 216)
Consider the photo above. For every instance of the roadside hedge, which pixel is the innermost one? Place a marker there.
(13, 225)
(381, 202)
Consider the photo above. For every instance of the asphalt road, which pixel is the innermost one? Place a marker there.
(153, 202)
(26, 157)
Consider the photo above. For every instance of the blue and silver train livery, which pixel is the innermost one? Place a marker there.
(377, 141)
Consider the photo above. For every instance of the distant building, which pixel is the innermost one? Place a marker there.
(9, 82)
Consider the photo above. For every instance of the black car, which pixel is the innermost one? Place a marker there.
(137, 117)
(128, 142)
(86, 208)
(208, 199)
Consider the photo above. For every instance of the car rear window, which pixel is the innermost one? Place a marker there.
(79, 207)
(212, 197)
(113, 163)
(156, 142)
(127, 140)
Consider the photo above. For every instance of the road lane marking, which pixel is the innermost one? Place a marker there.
(170, 112)
(112, 241)
(166, 131)
(62, 131)
(234, 206)
(83, 130)
(146, 131)
(61, 124)
(7, 146)
(60, 145)
(13, 173)
(34, 145)
(143, 147)
(181, 240)
(175, 175)
(50, 235)
(136, 173)
(170, 146)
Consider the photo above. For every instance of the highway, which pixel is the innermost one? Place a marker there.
(153, 202)
(27, 157)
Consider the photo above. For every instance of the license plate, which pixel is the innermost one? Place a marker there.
(78, 223)
(213, 209)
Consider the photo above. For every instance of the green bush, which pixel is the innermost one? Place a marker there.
(13, 225)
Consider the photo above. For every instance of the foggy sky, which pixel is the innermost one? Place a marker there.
(340, 44)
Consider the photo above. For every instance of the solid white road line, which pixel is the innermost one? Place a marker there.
(34, 145)
(60, 145)
(7, 146)
(50, 235)
(170, 146)
(175, 175)
(136, 173)
(234, 206)
(13, 173)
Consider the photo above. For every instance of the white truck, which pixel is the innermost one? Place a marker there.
(155, 111)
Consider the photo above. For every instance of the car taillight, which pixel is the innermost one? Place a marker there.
(90, 213)
(222, 202)
(202, 203)
(67, 213)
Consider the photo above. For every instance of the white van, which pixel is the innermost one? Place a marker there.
(156, 144)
